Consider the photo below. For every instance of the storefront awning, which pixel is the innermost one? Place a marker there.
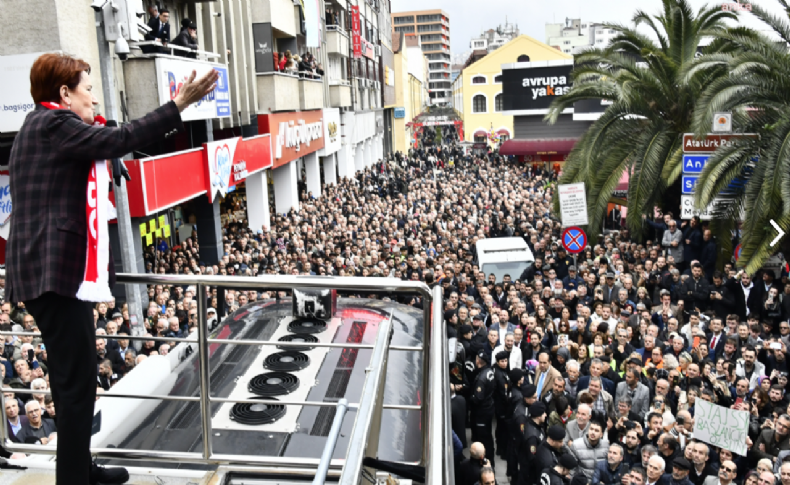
(481, 133)
(538, 147)
(503, 131)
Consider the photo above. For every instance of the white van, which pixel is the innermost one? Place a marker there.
(504, 255)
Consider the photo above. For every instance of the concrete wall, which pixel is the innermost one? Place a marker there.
(279, 12)
(339, 96)
(140, 79)
(277, 92)
(311, 94)
(51, 25)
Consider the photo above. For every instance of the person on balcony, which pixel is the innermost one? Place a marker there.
(160, 29)
(187, 38)
(58, 264)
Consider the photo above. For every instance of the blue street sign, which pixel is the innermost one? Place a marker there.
(689, 182)
(574, 240)
(694, 163)
(400, 113)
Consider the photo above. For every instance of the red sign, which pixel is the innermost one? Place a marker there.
(711, 142)
(367, 50)
(574, 240)
(229, 162)
(356, 32)
(294, 134)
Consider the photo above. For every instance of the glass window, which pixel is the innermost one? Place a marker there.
(479, 104)
(479, 80)
(498, 79)
(498, 102)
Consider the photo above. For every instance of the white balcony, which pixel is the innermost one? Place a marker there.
(281, 14)
(336, 41)
(340, 94)
(277, 91)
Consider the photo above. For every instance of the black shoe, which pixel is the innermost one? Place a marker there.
(107, 476)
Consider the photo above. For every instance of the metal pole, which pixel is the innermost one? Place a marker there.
(331, 442)
(203, 357)
(362, 435)
(125, 234)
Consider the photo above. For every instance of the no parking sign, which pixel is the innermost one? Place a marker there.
(574, 240)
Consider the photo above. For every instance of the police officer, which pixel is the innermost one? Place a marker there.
(518, 423)
(501, 399)
(533, 437)
(549, 451)
(483, 404)
(516, 399)
(560, 473)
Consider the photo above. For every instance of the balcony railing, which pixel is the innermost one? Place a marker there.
(437, 457)
(172, 50)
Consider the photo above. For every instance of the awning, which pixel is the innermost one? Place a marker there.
(538, 147)
(503, 131)
(481, 133)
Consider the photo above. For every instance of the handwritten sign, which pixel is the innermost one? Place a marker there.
(720, 426)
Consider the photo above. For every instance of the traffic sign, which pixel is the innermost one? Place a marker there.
(574, 240)
(711, 142)
(687, 210)
(738, 252)
(694, 163)
(573, 204)
(689, 182)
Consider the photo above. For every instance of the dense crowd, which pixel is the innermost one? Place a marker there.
(588, 370)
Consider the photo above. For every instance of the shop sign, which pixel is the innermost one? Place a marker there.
(356, 32)
(400, 113)
(171, 74)
(15, 99)
(293, 134)
(534, 88)
(229, 162)
(263, 43)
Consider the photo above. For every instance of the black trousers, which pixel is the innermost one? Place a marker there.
(482, 432)
(67, 329)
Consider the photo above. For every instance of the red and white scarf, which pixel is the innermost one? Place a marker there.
(95, 284)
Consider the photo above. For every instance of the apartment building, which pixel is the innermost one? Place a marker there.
(433, 29)
(574, 35)
(268, 134)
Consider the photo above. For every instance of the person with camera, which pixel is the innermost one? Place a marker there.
(773, 439)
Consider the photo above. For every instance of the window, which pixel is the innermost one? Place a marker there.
(498, 79)
(567, 42)
(523, 58)
(567, 51)
(479, 80)
(479, 104)
(480, 138)
(599, 41)
(599, 31)
(503, 137)
(498, 102)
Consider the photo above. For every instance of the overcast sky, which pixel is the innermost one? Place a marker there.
(469, 17)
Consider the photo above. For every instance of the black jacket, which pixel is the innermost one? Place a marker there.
(183, 39)
(695, 293)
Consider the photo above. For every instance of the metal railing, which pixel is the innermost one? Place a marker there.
(435, 406)
(200, 54)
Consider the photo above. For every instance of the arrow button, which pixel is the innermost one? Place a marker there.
(779, 230)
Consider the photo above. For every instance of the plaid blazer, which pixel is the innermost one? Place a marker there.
(48, 166)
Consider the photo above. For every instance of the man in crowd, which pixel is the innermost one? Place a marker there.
(590, 448)
(38, 430)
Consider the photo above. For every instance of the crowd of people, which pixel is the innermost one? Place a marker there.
(587, 371)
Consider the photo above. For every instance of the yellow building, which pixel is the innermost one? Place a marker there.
(411, 89)
(477, 91)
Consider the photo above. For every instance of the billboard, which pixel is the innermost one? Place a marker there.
(263, 45)
(229, 162)
(534, 88)
(170, 76)
(15, 99)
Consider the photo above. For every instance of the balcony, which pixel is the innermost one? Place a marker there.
(280, 13)
(339, 94)
(277, 91)
(336, 40)
(153, 79)
(311, 94)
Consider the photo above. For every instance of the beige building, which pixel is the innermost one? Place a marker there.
(411, 93)
(432, 27)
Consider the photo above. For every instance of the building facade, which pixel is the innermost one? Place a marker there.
(433, 29)
(574, 35)
(411, 72)
(493, 39)
(297, 129)
(477, 91)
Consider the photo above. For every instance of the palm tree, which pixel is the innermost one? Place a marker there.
(652, 105)
(758, 92)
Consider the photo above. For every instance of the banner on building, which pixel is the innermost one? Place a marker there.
(356, 32)
(722, 427)
(263, 45)
(172, 73)
(294, 134)
(331, 132)
(532, 89)
(229, 162)
(15, 99)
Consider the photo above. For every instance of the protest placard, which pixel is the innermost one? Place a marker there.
(720, 426)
